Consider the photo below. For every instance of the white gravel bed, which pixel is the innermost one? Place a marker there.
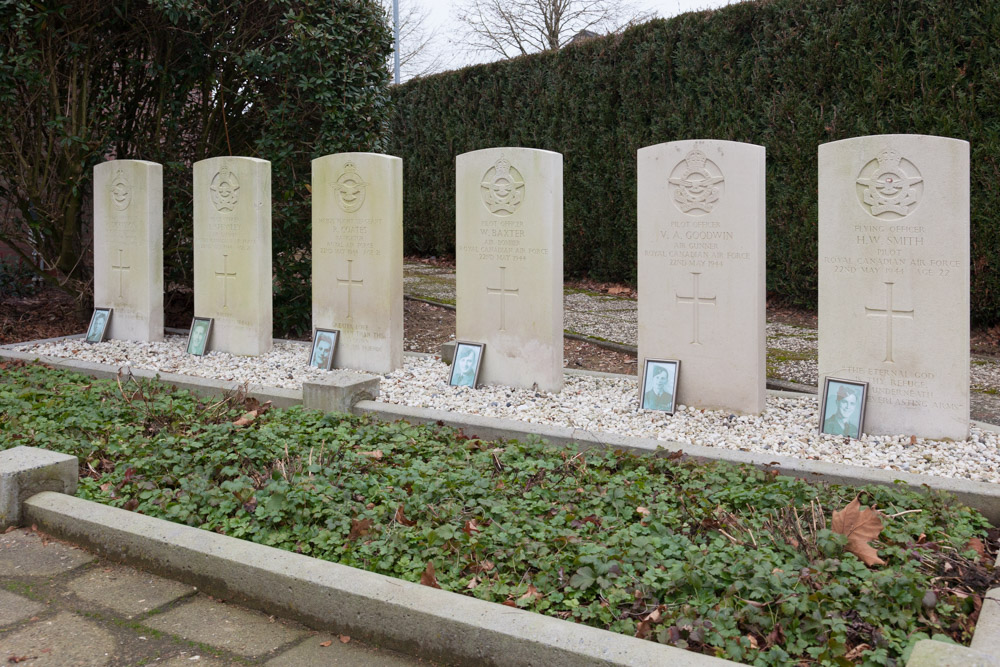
(609, 318)
(284, 366)
(985, 374)
(787, 427)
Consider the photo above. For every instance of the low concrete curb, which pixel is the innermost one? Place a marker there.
(25, 471)
(415, 619)
(339, 390)
(930, 653)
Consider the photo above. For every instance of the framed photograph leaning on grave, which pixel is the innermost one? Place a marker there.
(323, 347)
(843, 403)
(98, 324)
(659, 385)
(201, 327)
(465, 367)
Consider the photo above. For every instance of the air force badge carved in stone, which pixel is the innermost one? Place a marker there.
(697, 183)
(502, 188)
(890, 185)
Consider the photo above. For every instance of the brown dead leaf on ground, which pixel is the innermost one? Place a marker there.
(376, 454)
(401, 518)
(428, 578)
(470, 527)
(861, 526)
(326, 643)
(246, 418)
(977, 545)
(343, 639)
(531, 594)
(359, 528)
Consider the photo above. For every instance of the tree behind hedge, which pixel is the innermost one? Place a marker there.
(786, 74)
(176, 82)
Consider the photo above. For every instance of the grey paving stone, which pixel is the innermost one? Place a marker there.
(221, 626)
(14, 608)
(24, 553)
(352, 654)
(66, 640)
(127, 591)
(196, 659)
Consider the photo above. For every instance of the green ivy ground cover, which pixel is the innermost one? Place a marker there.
(720, 559)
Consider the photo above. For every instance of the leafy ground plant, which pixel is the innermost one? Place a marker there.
(719, 559)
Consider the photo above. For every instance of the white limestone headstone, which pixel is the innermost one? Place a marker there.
(232, 252)
(894, 279)
(357, 252)
(509, 264)
(702, 269)
(128, 247)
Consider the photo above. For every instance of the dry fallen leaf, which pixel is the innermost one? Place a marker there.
(343, 639)
(861, 526)
(977, 545)
(472, 583)
(376, 454)
(326, 643)
(401, 518)
(359, 528)
(643, 511)
(427, 578)
(470, 527)
(531, 594)
(246, 418)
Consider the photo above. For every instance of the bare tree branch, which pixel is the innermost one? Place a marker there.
(508, 28)
(420, 49)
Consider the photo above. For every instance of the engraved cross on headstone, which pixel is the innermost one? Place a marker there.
(502, 291)
(121, 269)
(350, 283)
(695, 300)
(888, 313)
(225, 286)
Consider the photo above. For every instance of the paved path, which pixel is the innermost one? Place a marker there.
(60, 606)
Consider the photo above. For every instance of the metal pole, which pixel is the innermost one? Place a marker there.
(395, 30)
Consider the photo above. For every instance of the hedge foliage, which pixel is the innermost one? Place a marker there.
(174, 82)
(784, 74)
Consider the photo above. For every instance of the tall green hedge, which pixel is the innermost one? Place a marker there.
(786, 74)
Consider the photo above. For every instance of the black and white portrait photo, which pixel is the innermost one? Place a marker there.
(843, 407)
(659, 385)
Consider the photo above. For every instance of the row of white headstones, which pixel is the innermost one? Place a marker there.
(893, 266)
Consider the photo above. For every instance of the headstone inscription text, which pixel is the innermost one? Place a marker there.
(894, 279)
(701, 269)
(509, 264)
(357, 256)
(128, 247)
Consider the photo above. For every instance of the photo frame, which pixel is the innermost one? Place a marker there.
(658, 390)
(466, 363)
(201, 329)
(324, 346)
(99, 322)
(842, 407)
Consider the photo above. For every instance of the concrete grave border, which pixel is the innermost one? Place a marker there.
(436, 624)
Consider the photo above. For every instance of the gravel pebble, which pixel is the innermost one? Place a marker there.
(787, 427)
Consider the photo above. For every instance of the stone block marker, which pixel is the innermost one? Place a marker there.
(357, 251)
(701, 269)
(128, 247)
(232, 252)
(932, 653)
(894, 279)
(339, 390)
(25, 471)
(509, 263)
